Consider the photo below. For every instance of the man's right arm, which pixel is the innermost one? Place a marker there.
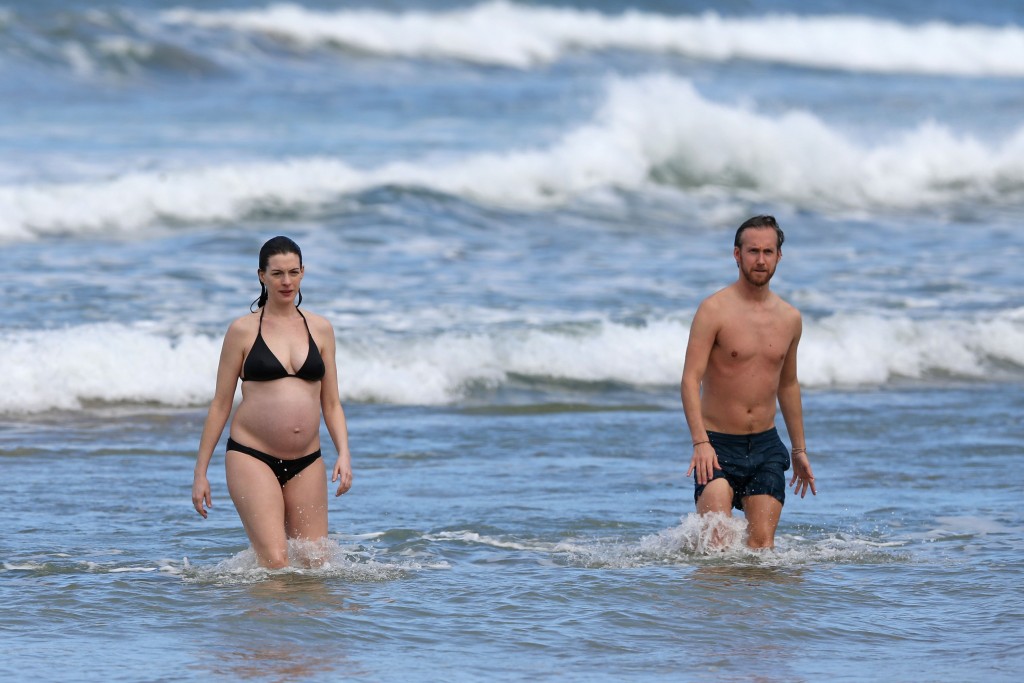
(698, 352)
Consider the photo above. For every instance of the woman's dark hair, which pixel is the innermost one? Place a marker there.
(273, 247)
(760, 222)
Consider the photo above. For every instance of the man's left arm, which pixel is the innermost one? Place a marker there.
(793, 413)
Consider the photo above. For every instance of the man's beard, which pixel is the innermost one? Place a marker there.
(757, 278)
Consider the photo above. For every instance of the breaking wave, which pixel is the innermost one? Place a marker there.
(67, 368)
(654, 131)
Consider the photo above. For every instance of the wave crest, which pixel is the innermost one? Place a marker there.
(649, 131)
(525, 36)
(117, 363)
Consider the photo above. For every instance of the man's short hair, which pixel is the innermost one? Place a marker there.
(760, 222)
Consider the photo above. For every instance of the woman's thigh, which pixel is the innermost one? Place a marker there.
(257, 496)
(305, 503)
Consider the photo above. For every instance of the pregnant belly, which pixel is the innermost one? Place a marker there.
(281, 418)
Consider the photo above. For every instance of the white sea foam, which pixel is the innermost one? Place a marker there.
(650, 131)
(137, 199)
(59, 369)
(697, 534)
(474, 538)
(715, 539)
(119, 363)
(524, 36)
(133, 570)
(325, 558)
(718, 537)
(848, 350)
(22, 566)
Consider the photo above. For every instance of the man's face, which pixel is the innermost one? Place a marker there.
(758, 255)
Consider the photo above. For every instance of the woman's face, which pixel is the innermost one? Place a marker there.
(282, 277)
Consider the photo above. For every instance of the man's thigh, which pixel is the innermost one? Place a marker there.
(717, 496)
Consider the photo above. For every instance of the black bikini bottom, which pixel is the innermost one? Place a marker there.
(282, 469)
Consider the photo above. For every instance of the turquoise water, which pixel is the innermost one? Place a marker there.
(510, 229)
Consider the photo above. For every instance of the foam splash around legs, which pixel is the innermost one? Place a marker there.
(712, 533)
(321, 558)
(718, 538)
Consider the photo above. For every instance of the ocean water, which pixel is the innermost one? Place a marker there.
(510, 211)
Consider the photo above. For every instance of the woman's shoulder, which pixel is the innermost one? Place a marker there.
(318, 323)
(244, 324)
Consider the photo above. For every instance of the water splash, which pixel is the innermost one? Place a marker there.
(324, 559)
(717, 538)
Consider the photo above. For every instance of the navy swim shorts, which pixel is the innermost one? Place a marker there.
(753, 464)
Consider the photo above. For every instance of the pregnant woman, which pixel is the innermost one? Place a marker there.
(285, 359)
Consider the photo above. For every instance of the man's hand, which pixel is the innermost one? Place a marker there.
(803, 478)
(704, 462)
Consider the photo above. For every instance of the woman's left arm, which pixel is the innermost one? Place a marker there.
(334, 414)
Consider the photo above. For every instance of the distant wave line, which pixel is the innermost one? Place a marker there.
(525, 36)
(122, 43)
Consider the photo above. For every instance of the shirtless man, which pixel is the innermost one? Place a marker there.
(740, 360)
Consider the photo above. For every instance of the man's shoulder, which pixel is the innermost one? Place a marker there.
(723, 301)
(718, 299)
(787, 309)
(788, 315)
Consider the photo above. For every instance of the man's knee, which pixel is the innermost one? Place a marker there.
(717, 496)
(759, 539)
(761, 532)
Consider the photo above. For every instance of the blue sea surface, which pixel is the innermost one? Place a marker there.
(510, 211)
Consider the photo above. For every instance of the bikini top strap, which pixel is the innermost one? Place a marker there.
(305, 322)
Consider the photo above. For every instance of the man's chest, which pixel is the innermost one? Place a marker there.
(745, 342)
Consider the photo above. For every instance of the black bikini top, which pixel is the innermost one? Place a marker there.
(261, 365)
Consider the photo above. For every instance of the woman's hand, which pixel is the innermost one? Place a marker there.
(342, 474)
(201, 494)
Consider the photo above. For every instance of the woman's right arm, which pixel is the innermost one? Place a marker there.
(228, 369)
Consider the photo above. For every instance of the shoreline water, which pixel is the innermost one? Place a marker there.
(568, 542)
(510, 235)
